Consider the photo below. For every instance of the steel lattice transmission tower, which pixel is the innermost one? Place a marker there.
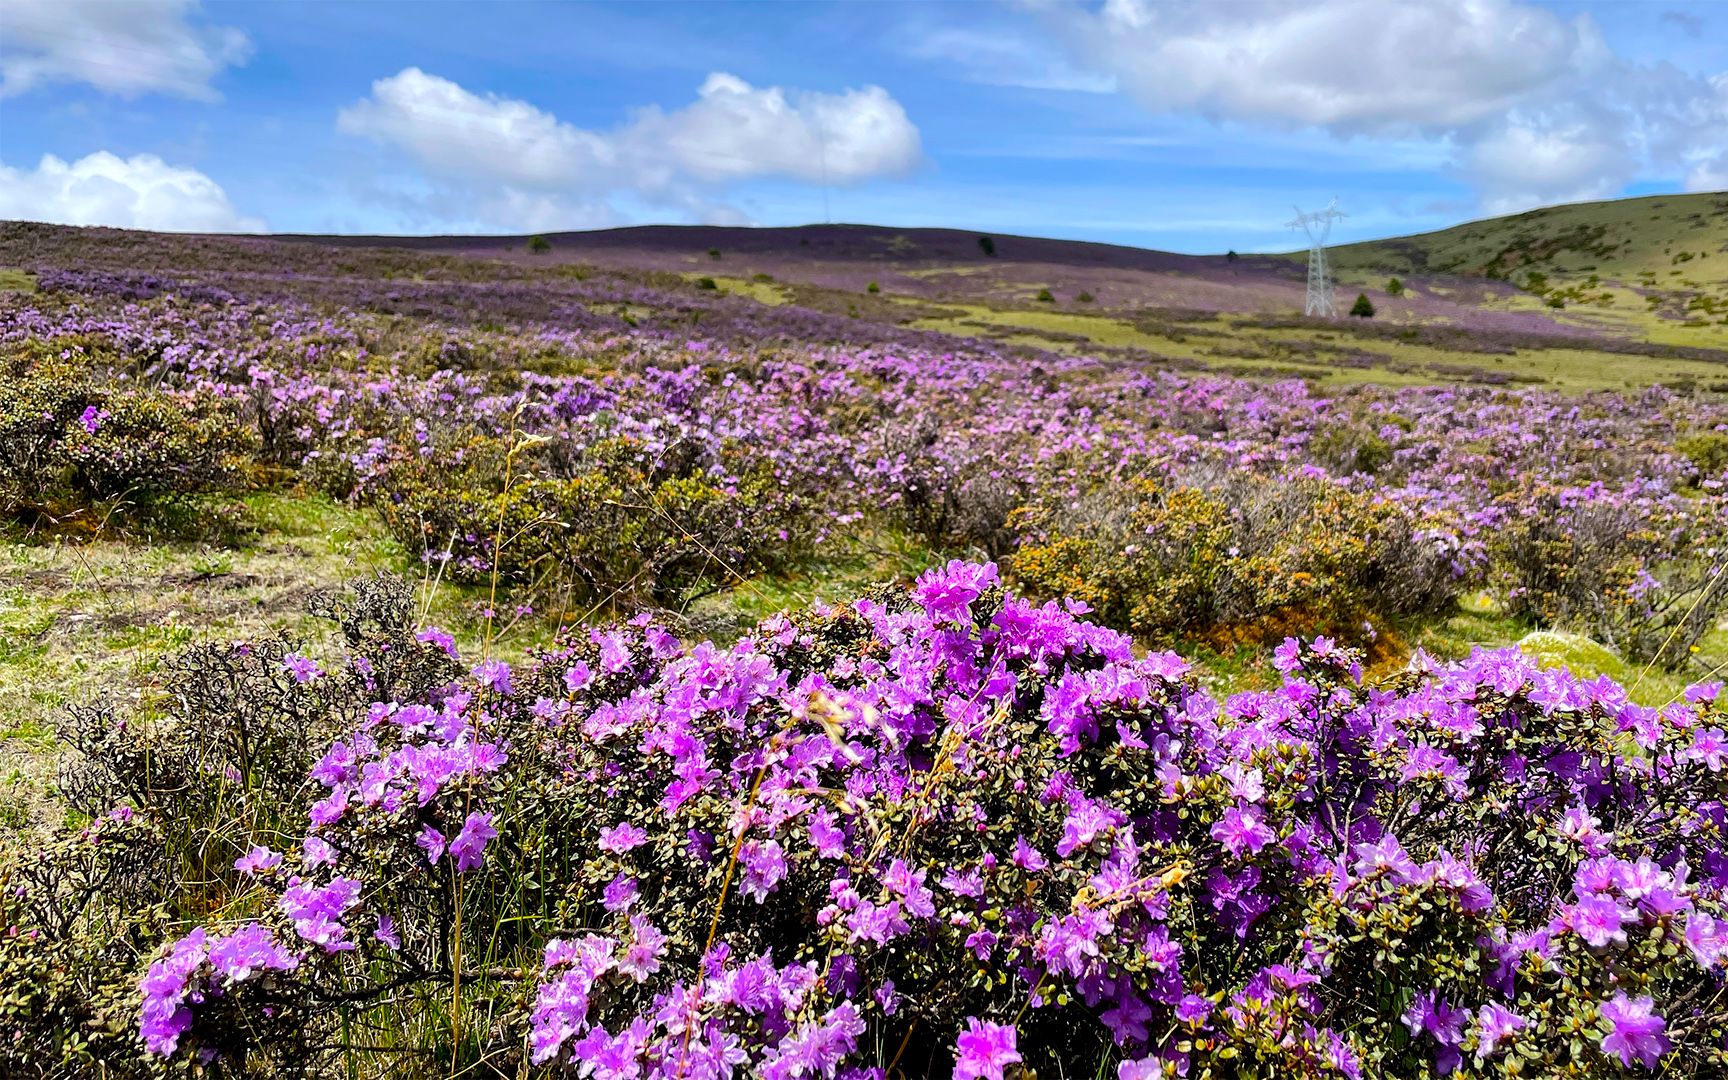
(1318, 226)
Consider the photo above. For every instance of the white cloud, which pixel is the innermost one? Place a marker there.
(142, 192)
(535, 171)
(1708, 175)
(1518, 166)
(1352, 66)
(125, 47)
(1531, 106)
(455, 132)
(734, 130)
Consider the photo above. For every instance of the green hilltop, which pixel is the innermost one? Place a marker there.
(1656, 265)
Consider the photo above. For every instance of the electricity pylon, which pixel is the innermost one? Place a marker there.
(1318, 226)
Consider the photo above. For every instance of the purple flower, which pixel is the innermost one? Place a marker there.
(386, 933)
(983, 1050)
(578, 677)
(1598, 920)
(619, 893)
(1193, 1009)
(1431, 1014)
(317, 911)
(496, 675)
(434, 635)
(1387, 855)
(641, 956)
(302, 668)
(164, 1015)
(1635, 1030)
(257, 861)
(471, 841)
(1494, 1025)
(764, 865)
(1241, 829)
(247, 951)
(92, 418)
(825, 836)
(431, 841)
(1708, 940)
(946, 593)
(622, 837)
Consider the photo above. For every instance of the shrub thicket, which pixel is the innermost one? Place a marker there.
(934, 832)
(74, 437)
(1245, 559)
(1645, 579)
(613, 521)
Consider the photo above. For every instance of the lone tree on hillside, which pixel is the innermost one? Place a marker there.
(1231, 256)
(539, 245)
(987, 246)
(1395, 287)
(1362, 308)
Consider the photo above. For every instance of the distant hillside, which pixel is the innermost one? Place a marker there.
(1657, 265)
(1650, 270)
(879, 244)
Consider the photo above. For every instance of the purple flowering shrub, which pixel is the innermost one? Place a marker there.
(184, 794)
(948, 831)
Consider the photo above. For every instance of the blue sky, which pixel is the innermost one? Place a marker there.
(1192, 126)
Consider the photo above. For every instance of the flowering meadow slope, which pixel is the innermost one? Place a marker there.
(977, 824)
(936, 831)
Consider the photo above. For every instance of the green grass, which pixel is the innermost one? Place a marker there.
(16, 281)
(1218, 345)
(842, 569)
(763, 292)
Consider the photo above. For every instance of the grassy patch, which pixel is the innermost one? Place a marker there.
(841, 570)
(16, 281)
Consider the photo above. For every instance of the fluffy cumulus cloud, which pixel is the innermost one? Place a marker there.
(142, 192)
(125, 47)
(528, 169)
(1536, 107)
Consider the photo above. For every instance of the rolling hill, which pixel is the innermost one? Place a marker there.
(1655, 266)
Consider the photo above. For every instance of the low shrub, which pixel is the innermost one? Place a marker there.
(1637, 572)
(944, 492)
(945, 831)
(614, 521)
(215, 766)
(1346, 449)
(1707, 451)
(72, 437)
(1238, 559)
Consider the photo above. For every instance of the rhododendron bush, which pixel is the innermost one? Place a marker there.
(947, 831)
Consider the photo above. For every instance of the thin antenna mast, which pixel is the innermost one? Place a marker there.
(1318, 226)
